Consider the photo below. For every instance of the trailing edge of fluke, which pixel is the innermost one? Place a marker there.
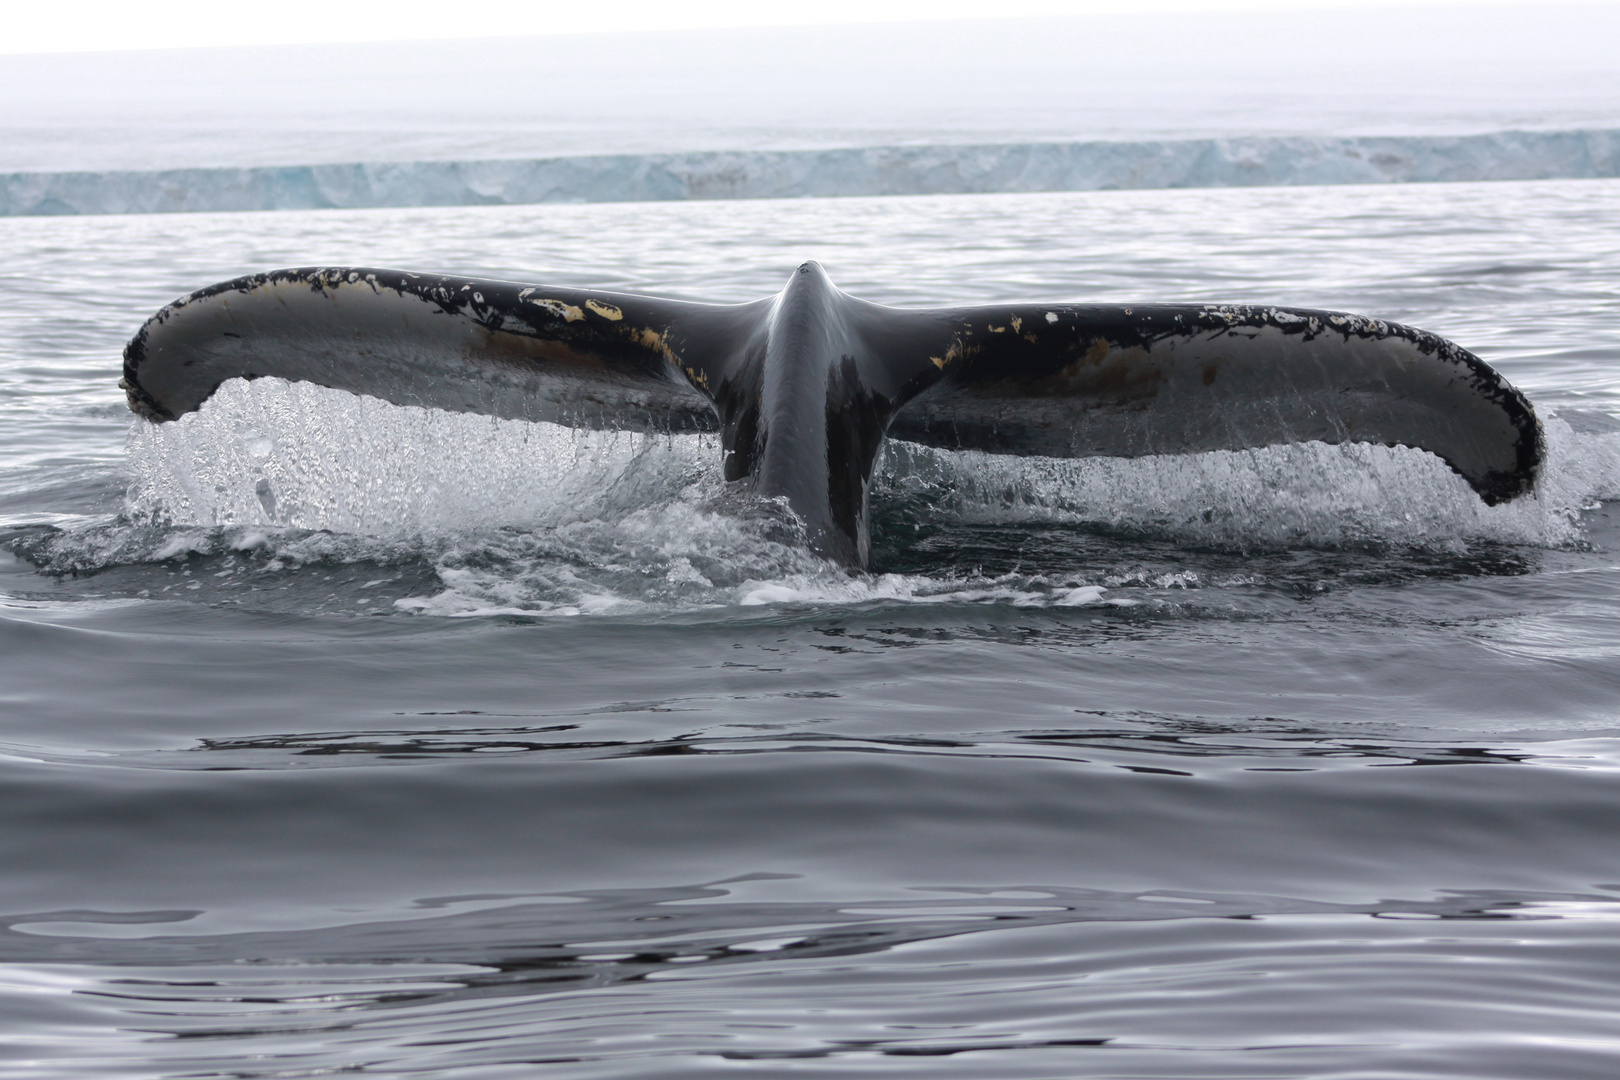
(804, 386)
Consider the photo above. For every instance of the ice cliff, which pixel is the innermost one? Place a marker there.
(878, 170)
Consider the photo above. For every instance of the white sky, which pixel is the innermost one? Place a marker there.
(44, 26)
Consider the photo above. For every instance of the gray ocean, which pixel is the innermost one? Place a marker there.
(344, 738)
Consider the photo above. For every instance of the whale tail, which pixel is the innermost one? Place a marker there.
(803, 387)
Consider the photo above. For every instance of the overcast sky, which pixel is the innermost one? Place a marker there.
(95, 25)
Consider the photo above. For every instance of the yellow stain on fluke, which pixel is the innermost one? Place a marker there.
(658, 341)
(566, 312)
(607, 311)
(955, 352)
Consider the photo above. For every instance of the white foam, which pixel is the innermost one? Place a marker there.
(1309, 493)
(532, 519)
(296, 455)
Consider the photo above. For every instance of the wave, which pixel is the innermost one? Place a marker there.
(869, 171)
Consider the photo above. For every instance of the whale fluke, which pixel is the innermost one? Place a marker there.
(804, 386)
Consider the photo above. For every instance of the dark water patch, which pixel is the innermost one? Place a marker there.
(605, 936)
(1257, 744)
(1265, 744)
(261, 840)
(1134, 555)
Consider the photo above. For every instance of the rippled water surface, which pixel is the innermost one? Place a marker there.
(341, 737)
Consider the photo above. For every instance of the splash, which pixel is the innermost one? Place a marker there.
(295, 455)
(1307, 494)
(458, 515)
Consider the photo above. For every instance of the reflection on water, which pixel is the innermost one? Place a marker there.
(1018, 980)
(1259, 744)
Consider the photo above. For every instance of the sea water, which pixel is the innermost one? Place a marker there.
(343, 737)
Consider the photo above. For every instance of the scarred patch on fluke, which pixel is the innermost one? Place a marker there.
(803, 387)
